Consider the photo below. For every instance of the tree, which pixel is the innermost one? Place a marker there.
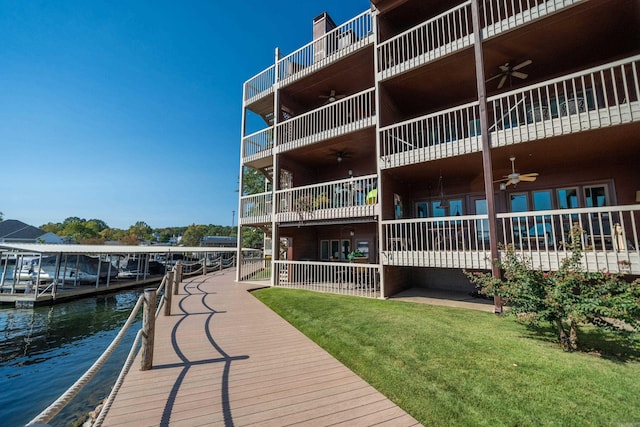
(78, 229)
(194, 234)
(141, 231)
(568, 297)
(1, 217)
(253, 182)
(252, 237)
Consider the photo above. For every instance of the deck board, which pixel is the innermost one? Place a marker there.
(224, 358)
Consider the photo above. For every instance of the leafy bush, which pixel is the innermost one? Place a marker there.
(566, 298)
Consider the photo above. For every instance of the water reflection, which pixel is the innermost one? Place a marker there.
(44, 350)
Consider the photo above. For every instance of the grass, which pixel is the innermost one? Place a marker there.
(448, 366)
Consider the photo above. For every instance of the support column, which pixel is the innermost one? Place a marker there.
(486, 146)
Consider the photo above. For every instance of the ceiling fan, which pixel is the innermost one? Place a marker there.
(515, 177)
(340, 155)
(332, 97)
(508, 71)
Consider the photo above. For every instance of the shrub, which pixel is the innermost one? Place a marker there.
(566, 298)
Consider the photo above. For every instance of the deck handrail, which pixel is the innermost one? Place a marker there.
(303, 58)
(560, 79)
(438, 32)
(593, 98)
(61, 402)
(257, 142)
(260, 83)
(352, 112)
(610, 238)
(353, 278)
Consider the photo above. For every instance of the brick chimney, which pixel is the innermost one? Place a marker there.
(322, 24)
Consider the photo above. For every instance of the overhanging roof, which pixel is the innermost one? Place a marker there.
(43, 248)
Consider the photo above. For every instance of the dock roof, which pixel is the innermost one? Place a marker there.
(43, 248)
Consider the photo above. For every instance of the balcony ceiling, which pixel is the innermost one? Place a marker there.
(587, 34)
(348, 76)
(358, 146)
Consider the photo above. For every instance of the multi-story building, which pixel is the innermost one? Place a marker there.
(422, 137)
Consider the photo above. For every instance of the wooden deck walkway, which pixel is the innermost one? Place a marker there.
(223, 358)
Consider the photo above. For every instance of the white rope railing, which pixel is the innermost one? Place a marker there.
(116, 387)
(53, 409)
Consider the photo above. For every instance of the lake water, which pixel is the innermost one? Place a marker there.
(45, 350)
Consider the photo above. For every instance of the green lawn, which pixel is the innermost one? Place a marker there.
(448, 366)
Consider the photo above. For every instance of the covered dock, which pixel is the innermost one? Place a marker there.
(39, 274)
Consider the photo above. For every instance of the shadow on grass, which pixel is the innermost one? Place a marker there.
(593, 341)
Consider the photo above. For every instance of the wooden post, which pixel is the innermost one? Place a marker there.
(168, 292)
(486, 147)
(174, 282)
(204, 265)
(148, 329)
(177, 277)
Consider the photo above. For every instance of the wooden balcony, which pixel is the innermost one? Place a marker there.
(346, 198)
(257, 148)
(592, 99)
(256, 209)
(335, 119)
(259, 86)
(447, 133)
(596, 98)
(333, 46)
(609, 240)
(452, 31)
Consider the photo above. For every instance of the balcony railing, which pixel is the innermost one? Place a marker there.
(337, 118)
(333, 277)
(452, 31)
(499, 16)
(439, 36)
(254, 269)
(257, 145)
(595, 98)
(609, 240)
(447, 242)
(346, 198)
(256, 209)
(260, 85)
(446, 133)
(336, 44)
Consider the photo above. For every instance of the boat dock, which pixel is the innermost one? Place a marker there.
(224, 358)
(26, 281)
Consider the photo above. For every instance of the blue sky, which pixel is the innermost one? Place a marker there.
(130, 111)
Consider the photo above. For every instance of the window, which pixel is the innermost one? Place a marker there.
(324, 249)
(567, 198)
(454, 208)
(363, 247)
(397, 206)
(482, 225)
(335, 249)
(542, 202)
(422, 210)
(519, 202)
(595, 196)
(346, 249)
